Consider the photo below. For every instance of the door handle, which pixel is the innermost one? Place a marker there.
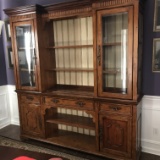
(99, 55)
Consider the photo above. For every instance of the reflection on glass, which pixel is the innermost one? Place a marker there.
(26, 55)
(115, 46)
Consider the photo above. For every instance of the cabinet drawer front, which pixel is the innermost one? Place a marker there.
(30, 99)
(78, 104)
(116, 108)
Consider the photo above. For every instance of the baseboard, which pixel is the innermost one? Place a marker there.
(152, 147)
(4, 123)
(151, 102)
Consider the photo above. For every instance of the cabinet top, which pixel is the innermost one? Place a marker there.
(25, 10)
(73, 4)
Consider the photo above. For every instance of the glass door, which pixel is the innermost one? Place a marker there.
(114, 52)
(26, 57)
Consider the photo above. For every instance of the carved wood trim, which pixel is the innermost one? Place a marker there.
(23, 17)
(25, 10)
(69, 5)
(44, 108)
(72, 12)
(93, 115)
(110, 3)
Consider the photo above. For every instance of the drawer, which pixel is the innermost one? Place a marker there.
(69, 103)
(30, 99)
(116, 108)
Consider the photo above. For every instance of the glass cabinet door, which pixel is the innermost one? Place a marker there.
(25, 55)
(114, 52)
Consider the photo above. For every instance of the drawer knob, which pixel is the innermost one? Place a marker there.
(115, 108)
(29, 98)
(55, 100)
(81, 104)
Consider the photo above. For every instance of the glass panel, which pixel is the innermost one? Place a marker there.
(115, 46)
(26, 55)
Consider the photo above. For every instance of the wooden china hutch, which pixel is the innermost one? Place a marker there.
(78, 73)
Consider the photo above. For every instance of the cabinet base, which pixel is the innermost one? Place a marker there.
(92, 150)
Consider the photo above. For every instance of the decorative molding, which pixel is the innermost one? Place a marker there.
(150, 146)
(110, 3)
(69, 5)
(26, 17)
(72, 12)
(25, 10)
(151, 103)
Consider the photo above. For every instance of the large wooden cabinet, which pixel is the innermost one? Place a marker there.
(78, 73)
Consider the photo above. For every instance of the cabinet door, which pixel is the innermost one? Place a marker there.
(115, 135)
(31, 119)
(114, 52)
(25, 54)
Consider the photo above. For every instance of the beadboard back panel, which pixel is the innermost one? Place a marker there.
(74, 32)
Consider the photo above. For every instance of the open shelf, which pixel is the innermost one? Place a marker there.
(111, 71)
(80, 141)
(69, 46)
(72, 69)
(26, 70)
(82, 91)
(23, 48)
(72, 120)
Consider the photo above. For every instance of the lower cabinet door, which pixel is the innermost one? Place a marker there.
(115, 135)
(31, 119)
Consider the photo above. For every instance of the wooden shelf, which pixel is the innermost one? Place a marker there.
(72, 69)
(26, 70)
(24, 48)
(77, 91)
(112, 44)
(80, 141)
(113, 71)
(115, 90)
(71, 120)
(73, 46)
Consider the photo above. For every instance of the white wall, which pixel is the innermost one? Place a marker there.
(13, 105)
(151, 124)
(4, 107)
(150, 117)
(8, 106)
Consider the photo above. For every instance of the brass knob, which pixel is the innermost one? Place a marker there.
(80, 103)
(55, 100)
